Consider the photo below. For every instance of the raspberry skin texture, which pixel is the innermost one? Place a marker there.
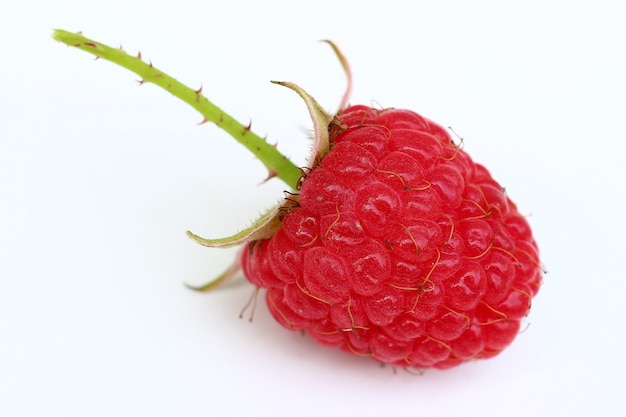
(399, 247)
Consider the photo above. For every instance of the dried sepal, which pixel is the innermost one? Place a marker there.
(224, 277)
(262, 228)
(346, 68)
(320, 118)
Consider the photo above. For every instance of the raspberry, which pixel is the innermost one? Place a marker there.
(400, 248)
(392, 243)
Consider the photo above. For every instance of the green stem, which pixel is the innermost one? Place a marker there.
(276, 163)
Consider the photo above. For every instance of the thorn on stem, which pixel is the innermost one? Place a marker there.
(270, 174)
(198, 94)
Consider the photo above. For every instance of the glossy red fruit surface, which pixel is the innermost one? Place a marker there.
(399, 247)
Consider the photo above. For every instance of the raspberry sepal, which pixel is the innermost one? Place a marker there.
(262, 228)
(321, 121)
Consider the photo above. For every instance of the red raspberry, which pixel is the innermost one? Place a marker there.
(394, 245)
(400, 248)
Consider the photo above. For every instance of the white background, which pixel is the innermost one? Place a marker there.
(100, 179)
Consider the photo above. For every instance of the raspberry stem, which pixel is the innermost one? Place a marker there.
(276, 163)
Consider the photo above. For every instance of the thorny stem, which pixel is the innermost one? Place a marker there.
(276, 163)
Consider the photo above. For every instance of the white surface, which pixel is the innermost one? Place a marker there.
(100, 179)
